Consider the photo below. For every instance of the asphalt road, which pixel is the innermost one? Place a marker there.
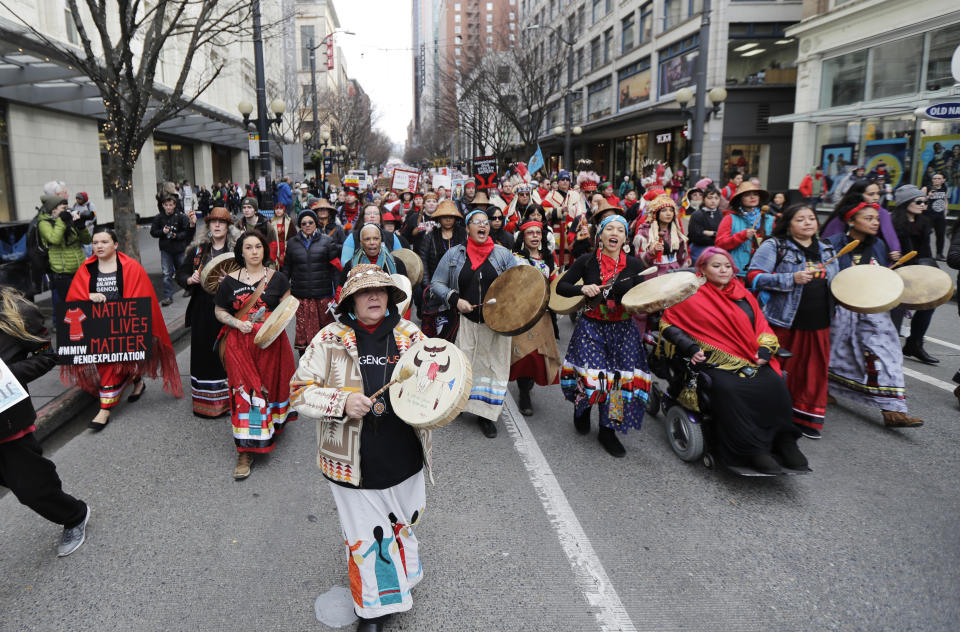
(537, 529)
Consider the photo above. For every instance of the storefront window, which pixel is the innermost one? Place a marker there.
(844, 79)
(750, 160)
(942, 45)
(895, 67)
(6, 180)
(629, 154)
(174, 161)
(761, 54)
(598, 99)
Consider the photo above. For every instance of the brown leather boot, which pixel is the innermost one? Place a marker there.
(893, 419)
(244, 461)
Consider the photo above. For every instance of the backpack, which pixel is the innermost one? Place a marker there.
(37, 250)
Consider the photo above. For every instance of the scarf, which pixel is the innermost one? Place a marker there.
(609, 268)
(478, 253)
(726, 334)
(384, 259)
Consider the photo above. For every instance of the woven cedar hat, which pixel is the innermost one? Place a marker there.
(364, 277)
(429, 196)
(480, 199)
(747, 187)
(219, 213)
(603, 210)
(321, 203)
(446, 209)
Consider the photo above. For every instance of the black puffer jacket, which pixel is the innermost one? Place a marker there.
(309, 269)
(26, 368)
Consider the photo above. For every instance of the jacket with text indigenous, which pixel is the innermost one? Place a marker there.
(330, 367)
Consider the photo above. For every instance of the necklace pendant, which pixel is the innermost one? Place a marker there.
(379, 406)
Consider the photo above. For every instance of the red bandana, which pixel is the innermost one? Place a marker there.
(856, 209)
(478, 253)
(608, 267)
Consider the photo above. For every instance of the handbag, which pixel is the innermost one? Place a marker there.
(244, 309)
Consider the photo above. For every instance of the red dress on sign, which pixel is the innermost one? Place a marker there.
(74, 317)
(109, 380)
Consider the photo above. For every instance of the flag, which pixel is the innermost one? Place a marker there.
(536, 161)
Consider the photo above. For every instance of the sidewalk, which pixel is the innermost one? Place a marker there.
(57, 404)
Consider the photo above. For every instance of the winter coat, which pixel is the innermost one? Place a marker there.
(312, 267)
(181, 232)
(64, 240)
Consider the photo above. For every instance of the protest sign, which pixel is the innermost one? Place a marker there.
(405, 180)
(485, 172)
(97, 333)
(11, 390)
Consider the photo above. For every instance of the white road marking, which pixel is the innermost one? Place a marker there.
(590, 576)
(942, 343)
(947, 386)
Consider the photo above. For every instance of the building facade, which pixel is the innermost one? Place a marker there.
(865, 67)
(51, 116)
(631, 58)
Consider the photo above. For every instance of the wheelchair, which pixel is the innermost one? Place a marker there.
(689, 429)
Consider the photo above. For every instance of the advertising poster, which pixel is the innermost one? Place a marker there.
(891, 152)
(95, 333)
(941, 154)
(677, 72)
(633, 89)
(836, 160)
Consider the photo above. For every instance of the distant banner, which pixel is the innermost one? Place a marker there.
(889, 153)
(103, 333)
(485, 172)
(441, 180)
(405, 180)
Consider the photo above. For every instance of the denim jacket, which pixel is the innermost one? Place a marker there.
(447, 274)
(779, 294)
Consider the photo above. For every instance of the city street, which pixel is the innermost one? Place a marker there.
(537, 529)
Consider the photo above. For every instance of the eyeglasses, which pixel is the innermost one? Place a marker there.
(480, 222)
(920, 202)
(496, 218)
(307, 222)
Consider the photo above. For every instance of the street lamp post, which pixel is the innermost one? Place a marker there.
(263, 128)
(567, 96)
(699, 109)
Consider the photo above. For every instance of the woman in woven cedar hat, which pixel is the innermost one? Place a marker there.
(381, 497)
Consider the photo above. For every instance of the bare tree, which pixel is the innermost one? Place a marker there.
(379, 147)
(122, 45)
(351, 117)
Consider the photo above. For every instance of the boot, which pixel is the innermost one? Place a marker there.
(894, 419)
(582, 422)
(244, 461)
(608, 439)
(488, 427)
(916, 350)
(372, 625)
(956, 393)
(785, 445)
(525, 385)
(765, 464)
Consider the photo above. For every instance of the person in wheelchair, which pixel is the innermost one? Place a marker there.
(721, 329)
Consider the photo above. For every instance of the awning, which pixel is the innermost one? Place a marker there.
(861, 110)
(33, 77)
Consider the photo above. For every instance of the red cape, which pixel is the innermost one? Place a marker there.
(163, 360)
(711, 317)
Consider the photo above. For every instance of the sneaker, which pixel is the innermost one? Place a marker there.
(810, 433)
(71, 539)
(166, 301)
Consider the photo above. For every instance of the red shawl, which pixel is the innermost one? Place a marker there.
(711, 317)
(163, 359)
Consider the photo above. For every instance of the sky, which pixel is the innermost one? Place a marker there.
(379, 56)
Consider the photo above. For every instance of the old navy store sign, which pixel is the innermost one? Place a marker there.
(945, 111)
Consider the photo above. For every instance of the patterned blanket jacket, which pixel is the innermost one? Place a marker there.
(330, 369)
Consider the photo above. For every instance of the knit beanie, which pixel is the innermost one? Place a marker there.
(251, 202)
(50, 202)
(907, 193)
(307, 213)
